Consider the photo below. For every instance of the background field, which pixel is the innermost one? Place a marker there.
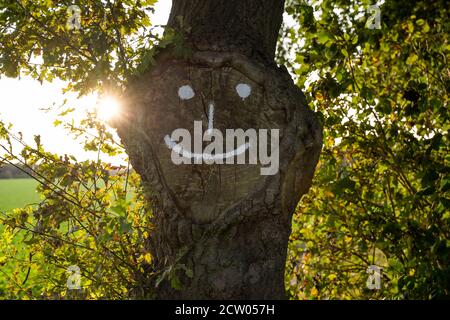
(15, 193)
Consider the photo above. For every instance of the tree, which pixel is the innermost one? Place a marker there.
(220, 231)
(377, 78)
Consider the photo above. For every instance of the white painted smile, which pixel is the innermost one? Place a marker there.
(204, 156)
(187, 93)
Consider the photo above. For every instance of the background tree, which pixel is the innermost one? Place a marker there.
(381, 196)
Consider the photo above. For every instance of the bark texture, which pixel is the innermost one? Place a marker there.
(248, 27)
(221, 230)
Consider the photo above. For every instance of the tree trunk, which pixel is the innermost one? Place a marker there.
(220, 231)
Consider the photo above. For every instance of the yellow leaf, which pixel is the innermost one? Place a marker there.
(411, 59)
(329, 194)
(344, 52)
(148, 258)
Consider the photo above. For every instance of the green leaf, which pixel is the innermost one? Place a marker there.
(119, 210)
(344, 52)
(324, 37)
(175, 282)
(412, 59)
(429, 177)
(343, 185)
(124, 226)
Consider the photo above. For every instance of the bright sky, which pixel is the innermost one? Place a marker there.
(23, 100)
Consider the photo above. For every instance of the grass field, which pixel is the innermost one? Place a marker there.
(16, 193)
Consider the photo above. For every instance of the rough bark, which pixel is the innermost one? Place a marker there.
(249, 27)
(222, 230)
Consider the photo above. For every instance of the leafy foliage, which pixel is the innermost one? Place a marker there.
(114, 39)
(381, 194)
(92, 216)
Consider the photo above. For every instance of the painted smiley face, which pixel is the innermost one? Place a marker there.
(181, 96)
(186, 92)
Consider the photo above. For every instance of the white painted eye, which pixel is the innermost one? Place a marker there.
(243, 90)
(186, 93)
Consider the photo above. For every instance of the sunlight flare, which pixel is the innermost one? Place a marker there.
(107, 108)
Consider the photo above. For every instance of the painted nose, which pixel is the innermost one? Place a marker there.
(210, 118)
